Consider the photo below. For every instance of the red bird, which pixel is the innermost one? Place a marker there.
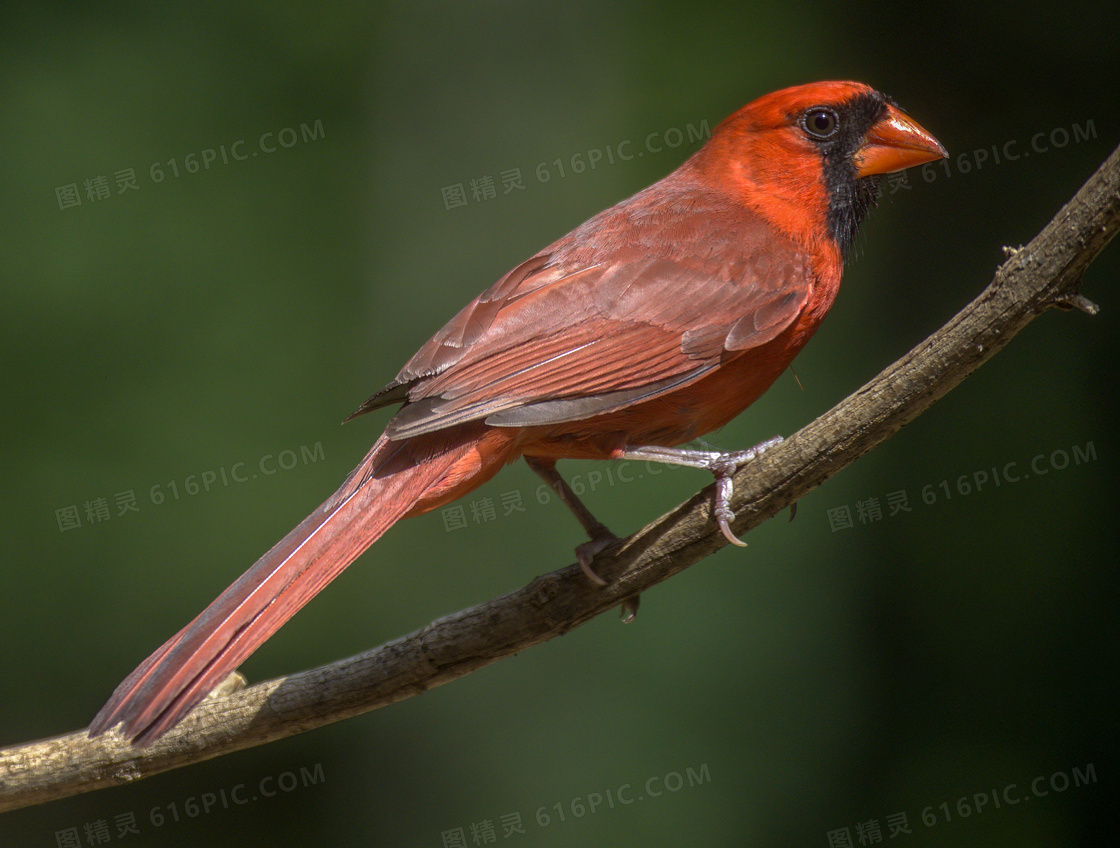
(655, 322)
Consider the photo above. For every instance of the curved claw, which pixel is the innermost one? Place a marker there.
(585, 564)
(725, 529)
(628, 609)
(722, 511)
(587, 551)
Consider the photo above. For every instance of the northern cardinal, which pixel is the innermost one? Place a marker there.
(653, 323)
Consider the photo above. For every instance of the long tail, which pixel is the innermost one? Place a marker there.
(396, 479)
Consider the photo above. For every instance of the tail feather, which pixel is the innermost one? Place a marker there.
(386, 486)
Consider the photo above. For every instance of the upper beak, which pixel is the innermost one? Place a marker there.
(895, 143)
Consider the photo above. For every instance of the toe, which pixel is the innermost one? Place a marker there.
(586, 552)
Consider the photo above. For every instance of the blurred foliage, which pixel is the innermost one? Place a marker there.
(821, 679)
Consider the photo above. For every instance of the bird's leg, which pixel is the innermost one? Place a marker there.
(601, 537)
(722, 465)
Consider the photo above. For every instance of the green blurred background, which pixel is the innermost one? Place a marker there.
(819, 680)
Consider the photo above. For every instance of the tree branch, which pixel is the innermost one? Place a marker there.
(1045, 273)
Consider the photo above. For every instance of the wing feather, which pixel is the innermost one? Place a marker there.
(598, 322)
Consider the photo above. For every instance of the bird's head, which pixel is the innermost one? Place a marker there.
(808, 158)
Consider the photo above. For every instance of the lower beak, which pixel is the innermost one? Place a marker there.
(895, 142)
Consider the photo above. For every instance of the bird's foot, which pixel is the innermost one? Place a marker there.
(601, 537)
(722, 464)
(586, 552)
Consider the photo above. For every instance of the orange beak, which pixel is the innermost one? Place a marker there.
(895, 143)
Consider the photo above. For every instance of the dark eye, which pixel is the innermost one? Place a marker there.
(820, 122)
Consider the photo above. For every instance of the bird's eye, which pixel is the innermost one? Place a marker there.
(820, 122)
